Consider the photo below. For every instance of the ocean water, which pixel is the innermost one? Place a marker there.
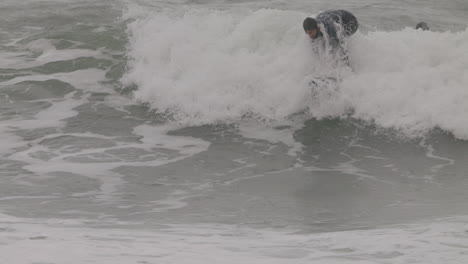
(181, 131)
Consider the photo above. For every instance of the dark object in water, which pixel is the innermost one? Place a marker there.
(422, 25)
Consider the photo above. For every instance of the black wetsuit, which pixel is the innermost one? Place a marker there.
(338, 24)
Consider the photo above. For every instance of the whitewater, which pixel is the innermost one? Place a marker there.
(138, 131)
(219, 66)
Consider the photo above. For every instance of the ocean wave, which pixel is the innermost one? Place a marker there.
(204, 66)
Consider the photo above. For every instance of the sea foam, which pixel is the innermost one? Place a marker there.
(204, 66)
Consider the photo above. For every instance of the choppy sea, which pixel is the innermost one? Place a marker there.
(184, 131)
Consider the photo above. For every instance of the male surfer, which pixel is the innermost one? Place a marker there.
(332, 27)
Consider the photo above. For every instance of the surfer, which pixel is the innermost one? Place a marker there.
(332, 27)
(422, 25)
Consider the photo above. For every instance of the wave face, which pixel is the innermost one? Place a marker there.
(205, 66)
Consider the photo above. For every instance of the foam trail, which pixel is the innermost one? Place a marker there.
(99, 162)
(284, 135)
(8, 141)
(25, 58)
(156, 136)
(87, 80)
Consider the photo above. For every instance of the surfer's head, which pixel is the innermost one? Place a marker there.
(311, 27)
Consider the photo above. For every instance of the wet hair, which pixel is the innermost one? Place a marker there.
(422, 25)
(310, 23)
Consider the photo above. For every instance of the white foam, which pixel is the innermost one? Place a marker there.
(8, 141)
(410, 80)
(48, 53)
(156, 137)
(68, 241)
(446, 162)
(40, 45)
(14, 60)
(274, 135)
(68, 54)
(100, 164)
(52, 116)
(60, 109)
(208, 66)
(212, 65)
(87, 80)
